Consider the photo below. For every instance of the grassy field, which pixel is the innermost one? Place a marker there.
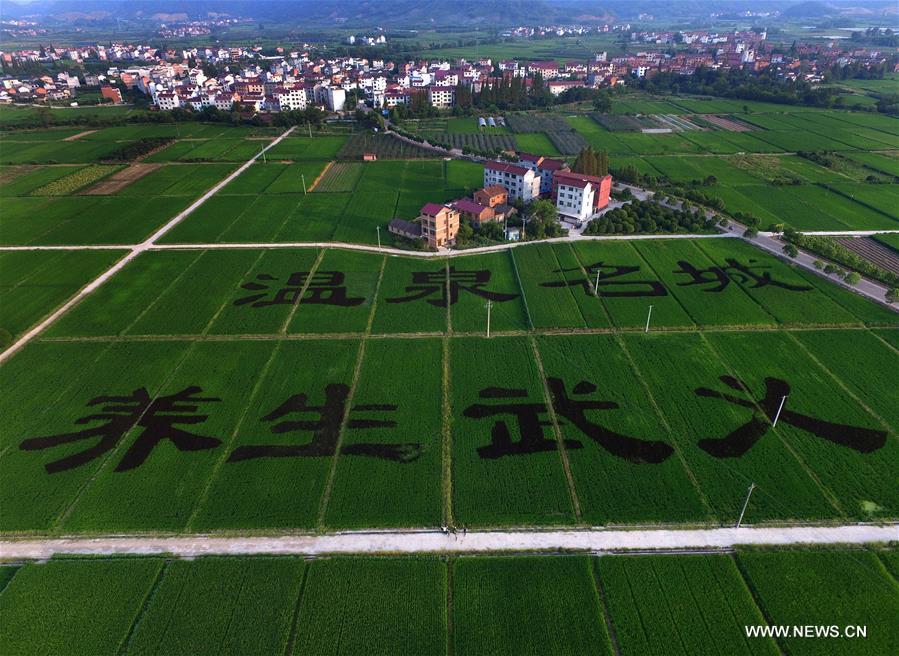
(553, 604)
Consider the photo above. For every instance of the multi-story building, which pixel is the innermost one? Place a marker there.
(442, 96)
(293, 98)
(518, 181)
(544, 167)
(580, 196)
(439, 224)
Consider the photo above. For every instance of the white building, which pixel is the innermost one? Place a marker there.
(167, 100)
(518, 181)
(579, 195)
(335, 99)
(442, 96)
(290, 99)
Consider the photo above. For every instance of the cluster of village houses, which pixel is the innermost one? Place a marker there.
(296, 79)
(577, 197)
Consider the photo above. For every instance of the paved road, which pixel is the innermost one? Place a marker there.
(133, 252)
(407, 542)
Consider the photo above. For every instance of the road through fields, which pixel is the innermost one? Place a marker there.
(430, 541)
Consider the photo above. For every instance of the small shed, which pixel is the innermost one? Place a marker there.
(369, 157)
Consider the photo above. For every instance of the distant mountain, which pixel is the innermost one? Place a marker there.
(810, 9)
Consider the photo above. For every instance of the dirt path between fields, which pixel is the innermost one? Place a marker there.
(407, 542)
(75, 137)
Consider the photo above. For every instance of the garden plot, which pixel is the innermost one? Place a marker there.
(74, 607)
(728, 123)
(340, 176)
(390, 475)
(114, 183)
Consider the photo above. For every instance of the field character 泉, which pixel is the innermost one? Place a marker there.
(427, 283)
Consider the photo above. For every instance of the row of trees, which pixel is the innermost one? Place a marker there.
(591, 162)
(649, 217)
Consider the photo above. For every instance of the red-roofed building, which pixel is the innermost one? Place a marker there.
(491, 196)
(474, 212)
(519, 181)
(439, 224)
(579, 195)
(544, 167)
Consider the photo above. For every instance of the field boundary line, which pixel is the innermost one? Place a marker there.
(604, 605)
(745, 291)
(435, 541)
(351, 396)
(826, 491)
(524, 298)
(447, 431)
(320, 176)
(295, 617)
(557, 432)
(224, 304)
(303, 290)
(204, 493)
(696, 324)
(145, 604)
(136, 250)
(675, 444)
(756, 601)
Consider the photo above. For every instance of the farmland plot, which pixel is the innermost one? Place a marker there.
(339, 295)
(681, 605)
(547, 307)
(378, 606)
(294, 176)
(223, 605)
(134, 487)
(851, 588)
(700, 424)
(620, 454)
(272, 474)
(74, 607)
(33, 284)
(22, 180)
(789, 299)
(468, 313)
(708, 303)
(850, 452)
(628, 286)
(398, 282)
(48, 388)
(526, 605)
(536, 142)
(298, 148)
(503, 471)
(341, 176)
(392, 476)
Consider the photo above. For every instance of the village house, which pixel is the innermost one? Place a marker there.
(580, 196)
(491, 196)
(474, 211)
(544, 167)
(439, 224)
(521, 183)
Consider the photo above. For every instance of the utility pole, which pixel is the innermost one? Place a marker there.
(263, 156)
(745, 503)
(596, 284)
(489, 305)
(310, 129)
(648, 317)
(378, 228)
(780, 407)
(303, 175)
